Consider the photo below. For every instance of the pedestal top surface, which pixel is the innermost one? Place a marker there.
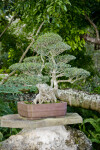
(16, 121)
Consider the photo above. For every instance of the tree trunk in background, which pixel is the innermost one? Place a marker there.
(80, 99)
(7, 26)
(96, 59)
(88, 38)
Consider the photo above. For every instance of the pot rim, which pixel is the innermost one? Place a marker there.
(61, 102)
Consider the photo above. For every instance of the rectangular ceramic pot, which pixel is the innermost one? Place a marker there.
(38, 111)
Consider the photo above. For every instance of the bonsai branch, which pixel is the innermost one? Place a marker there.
(71, 80)
(42, 64)
(60, 75)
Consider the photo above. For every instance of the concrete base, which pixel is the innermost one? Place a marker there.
(16, 121)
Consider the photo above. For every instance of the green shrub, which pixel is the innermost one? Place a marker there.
(1, 71)
(17, 89)
(90, 125)
(7, 108)
(93, 123)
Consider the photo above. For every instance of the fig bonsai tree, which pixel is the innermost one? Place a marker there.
(50, 63)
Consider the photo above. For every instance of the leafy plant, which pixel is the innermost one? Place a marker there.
(96, 90)
(94, 135)
(91, 127)
(7, 132)
(1, 136)
(7, 108)
(16, 87)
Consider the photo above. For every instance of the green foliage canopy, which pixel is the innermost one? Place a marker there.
(50, 48)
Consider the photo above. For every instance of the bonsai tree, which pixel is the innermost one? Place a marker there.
(51, 62)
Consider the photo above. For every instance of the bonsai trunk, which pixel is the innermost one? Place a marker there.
(54, 83)
(46, 94)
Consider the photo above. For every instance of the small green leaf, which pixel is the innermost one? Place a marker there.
(1, 136)
(50, 9)
(65, 8)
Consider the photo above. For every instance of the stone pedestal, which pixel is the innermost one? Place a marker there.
(45, 134)
(48, 138)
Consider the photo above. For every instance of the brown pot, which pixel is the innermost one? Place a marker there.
(39, 111)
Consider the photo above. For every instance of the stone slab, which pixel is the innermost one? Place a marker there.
(16, 121)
